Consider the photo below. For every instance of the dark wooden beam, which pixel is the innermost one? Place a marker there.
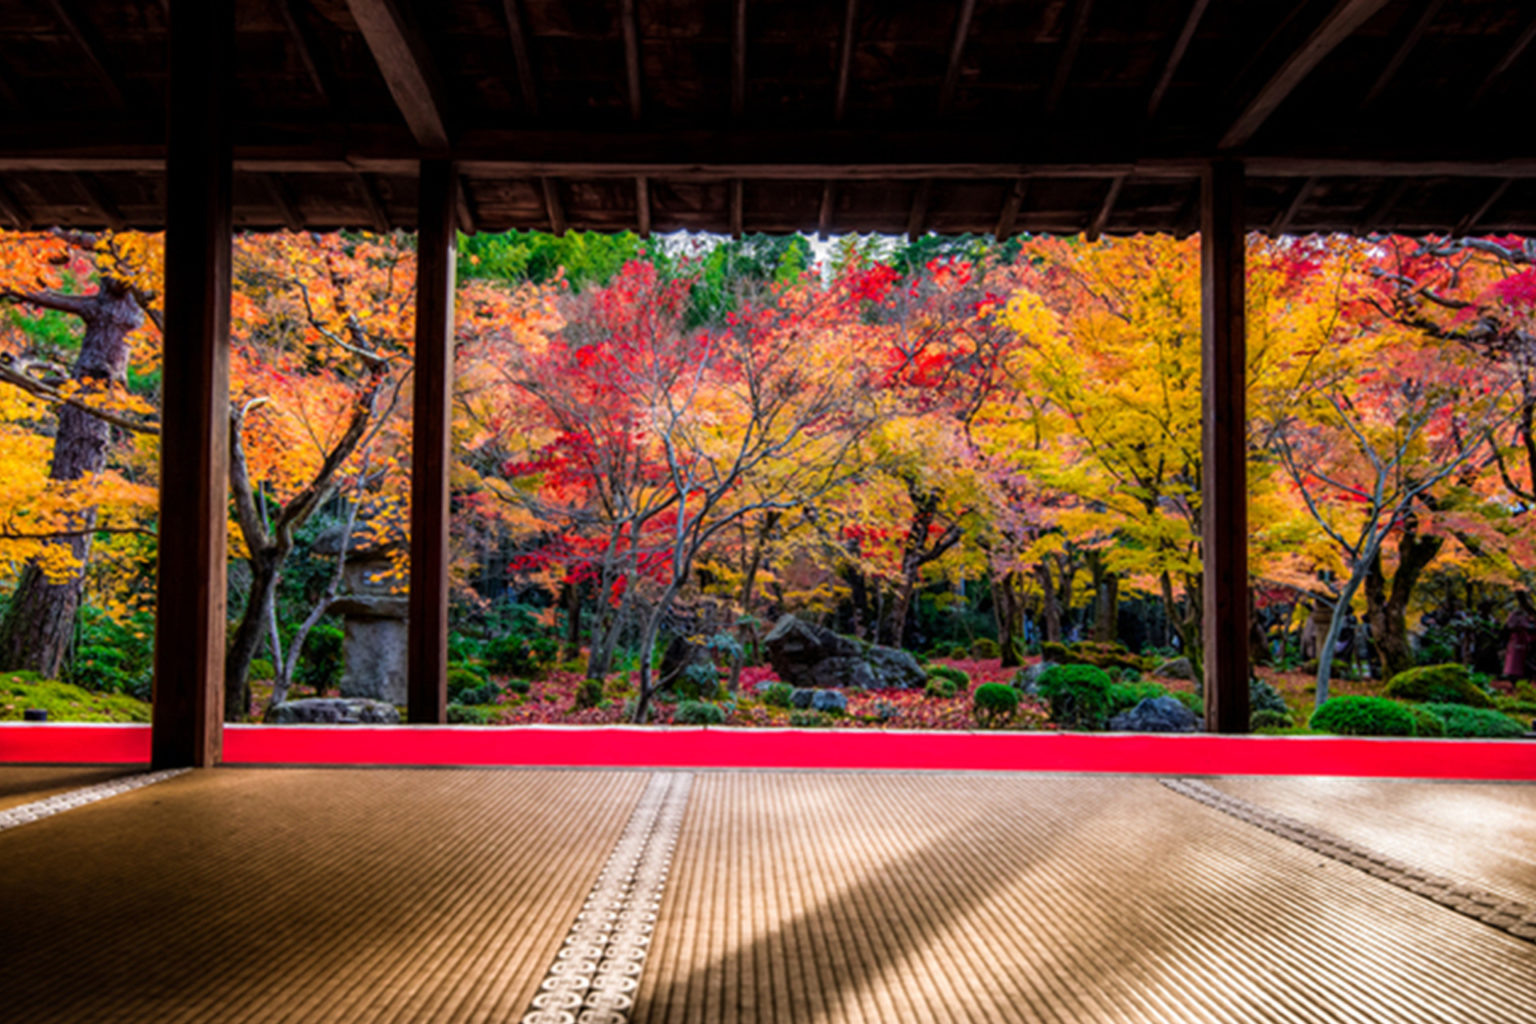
(553, 208)
(737, 202)
(13, 210)
(1516, 50)
(1470, 222)
(631, 32)
(1009, 217)
(643, 207)
(917, 216)
(738, 58)
(1282, 223)
(83, 32)
(427, 646)
(844, 61)
(305, 44)
(956, 52)
(406, 63)
(378, 213)
(1176, 56)
(1076, 29)
(824, 214)
(96, 195)
(1405, 46)
(1377, 216)
(1337, 26)
(468, 222)
(190, 622)
(517, 32)
(1224, 476)
(1106, 208)
(283, 199)
(1186, 219)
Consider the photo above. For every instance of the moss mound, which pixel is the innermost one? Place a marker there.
(1438, 684)
(65, 702)
(1363, 716)
(1078, 695)
(1099, 655)
(995, 704)
(1475, 723)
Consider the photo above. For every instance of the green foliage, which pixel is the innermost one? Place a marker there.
(65, 702)
(321, 664)
(114, 657)
(776, 695)
(1189, 700)
(698, 712)
(1362, 716)
(521, 655)
(1078, 695)
(461, 679)
(955, 675)
(1474, 723)
(465, 648)
(994, 704)
(699, 680)
(1126, 675)
(261, 670)
(939, 688)
(460, 714)
(1438, 684)
(582, 258)
(1426, 724)
(588, 693)
(1516, 706)
(1525, 690)
(1264, 718)
(808, 719)
(1124, 696)
(1100, 655)
(1264, 697)
(985, 648)
(520, 686)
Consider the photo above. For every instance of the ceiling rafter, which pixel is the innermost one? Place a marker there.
(1282, 223)
(282, 198)
(1377, 215)
(1106, 209)
(737, 202)
(1176, 56)
(405, 62)
(1013, 205)
(956, 52)
(1339, 24)
(739, 59)
(1514, 53)
(844, 61)
(554, 210)
(464, 206)
(91, 45)
(378, 213)
(643, 207)
(824, 214)
(517, 34)
(13, 210)
(306, 46)
(96, 195)
(917, 217)
(631, 33)
(1073, 42)
(1473, 219)
(1400, 55)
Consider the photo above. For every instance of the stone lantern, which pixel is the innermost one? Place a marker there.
(373, 615)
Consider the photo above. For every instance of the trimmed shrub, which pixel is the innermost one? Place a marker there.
(776, 695)
(1189, 700)
(1264, 718)
(261, 670)
(1426, 724)
(460, 714)
(521, 656)
(954, 675)
(1126, 675)
(809, 720)
(994, 704)
(462, 679)
(1124, 696)
(1078, 695)
(1525, 690)
(1088, 652)
(519, 685)
(1516, 706)
(1438, 684)
(985, 648)
(959, 652)
(588, 693)
(1475, 723)
(939, 688)
(1362, 716)
(699, 680)
(697, 712)
(1264, 697)
(321, 663)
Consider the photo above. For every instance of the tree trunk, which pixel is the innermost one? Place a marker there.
(1386, 609)
(265, 568)
(40, 621)
(1106, 587)
(1008, 611)
(570, 597)
(1050, 604)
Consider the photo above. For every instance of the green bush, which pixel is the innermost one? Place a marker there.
(1362, 716)
(1124, 696)
(1438, 684)
(699, 680)
(519, 685)
(994, 704)
(1189, 700)
(939, 688)
(955, 675)
(960, 652)
(462, 679)
(261, 670)
(1516, 706)
(1078, 695)
(321, 663)
(697, 712)
(520, 655)
(588, 693)
(461, 714)
(1525, 690)
(1264, 697)
(1088, 652)
(1126, 675)
(807, 719)
(1426, 724)
(1264, 718)
(1475, 723)
(984, 648)
(776, 695)
(464, 648)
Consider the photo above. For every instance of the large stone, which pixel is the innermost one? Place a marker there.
(330, 711)
(374, 647)
(1175, 668)
(1156, 714)
(807, 655)
(831, 701)
(1028, 678)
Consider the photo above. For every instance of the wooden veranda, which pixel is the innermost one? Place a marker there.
(751, 116)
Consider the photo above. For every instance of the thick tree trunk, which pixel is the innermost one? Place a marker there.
(265, 565)
(1009, 614)
(40, 621)
(1050, 602)
(1106, 607)
(570, 598)
(1386, 607)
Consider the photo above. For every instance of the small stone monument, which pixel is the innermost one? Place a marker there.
(373, 618)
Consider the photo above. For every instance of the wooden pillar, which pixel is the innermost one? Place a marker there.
(194, 423)
(427, 660)
(1224, 494)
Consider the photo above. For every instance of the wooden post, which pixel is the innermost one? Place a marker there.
(427, 659)
(1224, 492)
(194, 423)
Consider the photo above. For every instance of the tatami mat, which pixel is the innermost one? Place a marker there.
(22, 784)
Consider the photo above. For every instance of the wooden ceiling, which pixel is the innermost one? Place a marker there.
(987, 116)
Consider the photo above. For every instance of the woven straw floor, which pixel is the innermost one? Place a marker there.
(242, 895)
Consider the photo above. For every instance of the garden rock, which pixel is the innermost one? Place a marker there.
(1028, 678)
(1156, 714)
(807, 655)
(1175, 668)
(333, 711)
(802, 697)
(829, 700)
